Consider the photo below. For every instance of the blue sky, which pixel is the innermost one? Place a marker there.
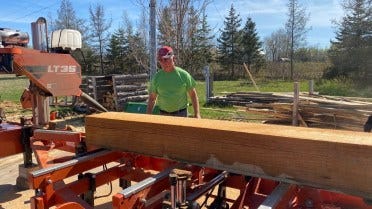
(269, 15)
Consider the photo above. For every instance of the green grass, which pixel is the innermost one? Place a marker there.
(224, 87)
(11, 87)
(342, 87)
(231, 113)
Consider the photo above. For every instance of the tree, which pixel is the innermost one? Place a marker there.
(198, 52)
(172, 26)
(228, 42)
(165, 27)
(116, 49)
(351, 52)
(67, 18)
(310, 54)
(136, 58)
(178, 25)
(99, 26)
(276, 45)
(296, 27)
(250, 45)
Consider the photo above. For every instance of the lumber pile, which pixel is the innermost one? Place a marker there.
(113, 91)
(329, 159)
(315, 110)
(129, 88)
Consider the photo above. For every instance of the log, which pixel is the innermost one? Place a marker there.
(130, 87)
(328, 159)
(133, 99)
(132, 93)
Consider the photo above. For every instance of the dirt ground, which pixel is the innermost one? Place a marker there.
(12, 197)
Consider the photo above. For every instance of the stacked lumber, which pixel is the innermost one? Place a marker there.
(97, 86)
(113, 91)
(246, 98)
(109, 101)
(315, 110)
(330, 159)
(129, 88)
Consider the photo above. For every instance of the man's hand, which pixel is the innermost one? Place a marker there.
(151, 103)
(195, 102)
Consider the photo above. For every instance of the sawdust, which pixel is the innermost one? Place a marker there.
(12, 111)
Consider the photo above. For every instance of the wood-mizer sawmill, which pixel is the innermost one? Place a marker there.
(161, 162)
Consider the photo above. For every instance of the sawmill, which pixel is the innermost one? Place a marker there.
(160, 162)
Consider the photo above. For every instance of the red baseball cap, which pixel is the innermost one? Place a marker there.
(165, 52)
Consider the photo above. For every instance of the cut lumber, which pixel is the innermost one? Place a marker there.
(328, 159)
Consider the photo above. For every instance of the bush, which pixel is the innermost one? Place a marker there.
(336, 87)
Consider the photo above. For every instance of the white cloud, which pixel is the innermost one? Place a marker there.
(321, 15)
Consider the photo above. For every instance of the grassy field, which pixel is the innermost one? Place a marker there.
(11, 88)
(231, 113)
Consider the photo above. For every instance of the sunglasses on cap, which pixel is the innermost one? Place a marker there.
(165, 59)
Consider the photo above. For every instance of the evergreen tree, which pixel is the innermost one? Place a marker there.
(135, 56)
(204, 45)
(127, 51)
(351, 52)
(250, 45)
(228, 42)
(116, 50)
(137, 60)
(200, 44)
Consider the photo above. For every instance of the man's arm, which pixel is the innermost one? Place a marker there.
(151, 102)
(195, 102)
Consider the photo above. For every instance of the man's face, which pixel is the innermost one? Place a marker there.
(166, 64)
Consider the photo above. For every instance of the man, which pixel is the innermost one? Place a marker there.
(170, 86)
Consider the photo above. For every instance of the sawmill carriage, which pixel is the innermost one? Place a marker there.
(160, 162)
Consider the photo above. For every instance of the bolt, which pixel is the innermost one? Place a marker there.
(309, 203)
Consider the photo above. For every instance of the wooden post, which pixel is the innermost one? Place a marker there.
(115, 94)
(296, 93)
(311, 87)
(152, 37)
(251, 77)
(94, 83)
(208, 83)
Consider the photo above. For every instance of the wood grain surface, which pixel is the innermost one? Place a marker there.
(330, 159)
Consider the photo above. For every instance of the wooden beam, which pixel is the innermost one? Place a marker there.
(329, 159)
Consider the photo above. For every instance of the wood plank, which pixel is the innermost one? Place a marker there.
(329, 159)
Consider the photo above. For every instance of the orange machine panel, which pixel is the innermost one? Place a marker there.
(10, 139)
(56, 74)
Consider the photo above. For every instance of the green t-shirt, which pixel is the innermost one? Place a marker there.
(172, 88)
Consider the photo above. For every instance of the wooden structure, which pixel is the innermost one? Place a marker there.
(329, 159)
(113, 91)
